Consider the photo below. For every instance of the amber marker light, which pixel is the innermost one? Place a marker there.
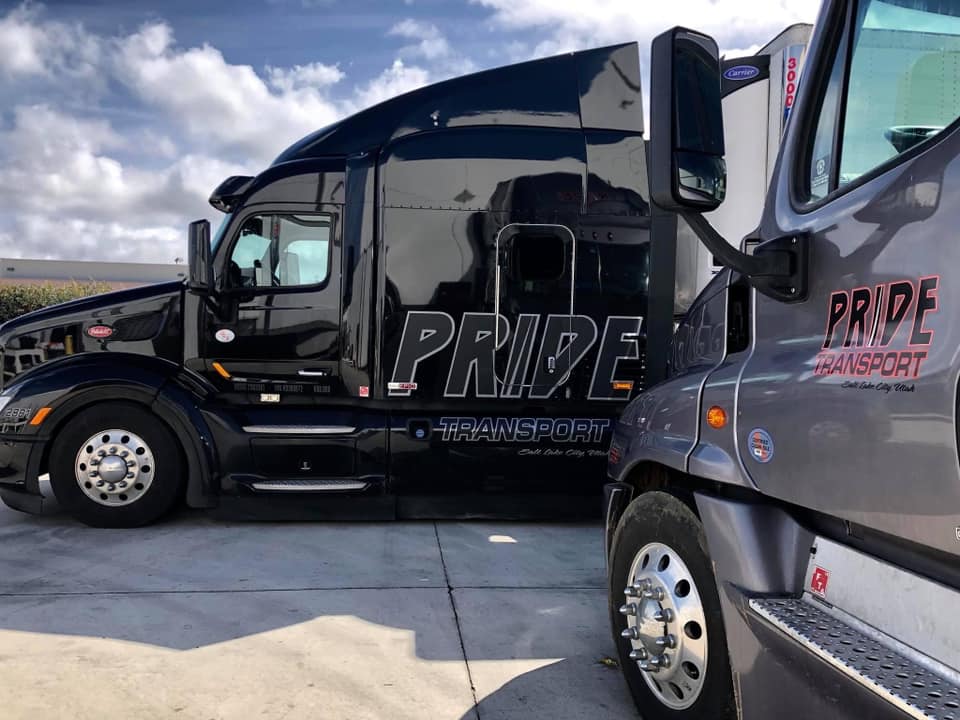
(221, 370)
(41, 415)
(716, 417)
(623, 384)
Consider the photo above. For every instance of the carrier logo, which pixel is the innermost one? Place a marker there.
(866, 325)
(741, 72)
(100, 331)
(530, 369)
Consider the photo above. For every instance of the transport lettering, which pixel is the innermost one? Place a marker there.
(523, 430)
(866, 325)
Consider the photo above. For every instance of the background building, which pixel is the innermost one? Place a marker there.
(116, 274)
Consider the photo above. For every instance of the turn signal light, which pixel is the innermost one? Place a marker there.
(221, 370)
(716, 417)
(41, 415)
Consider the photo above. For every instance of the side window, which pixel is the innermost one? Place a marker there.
(279, 250)
(903, 87)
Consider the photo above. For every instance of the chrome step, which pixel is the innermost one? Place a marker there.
(297, 485)
(902, 681)
(299, 429)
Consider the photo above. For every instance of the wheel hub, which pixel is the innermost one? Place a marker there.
(666, 625)
(114, 467)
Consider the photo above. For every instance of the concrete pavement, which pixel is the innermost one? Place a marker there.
(197, 618)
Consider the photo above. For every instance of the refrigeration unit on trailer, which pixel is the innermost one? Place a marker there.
(783, 525)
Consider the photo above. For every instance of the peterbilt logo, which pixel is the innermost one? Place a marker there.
(564, 342)
(100, 331)
(741, 72)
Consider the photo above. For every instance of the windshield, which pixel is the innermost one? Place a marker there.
(218, 236)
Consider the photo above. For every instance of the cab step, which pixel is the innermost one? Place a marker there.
(310, 485)
(906, 682)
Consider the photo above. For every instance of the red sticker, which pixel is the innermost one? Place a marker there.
(818, 582)
(364, 391)
(100, 331)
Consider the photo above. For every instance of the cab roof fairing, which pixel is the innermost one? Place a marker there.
(596, 89)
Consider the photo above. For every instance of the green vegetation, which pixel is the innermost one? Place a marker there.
(19, 299)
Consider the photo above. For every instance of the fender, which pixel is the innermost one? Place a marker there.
(68, 384)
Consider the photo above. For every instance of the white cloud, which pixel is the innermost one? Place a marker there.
(90, 171)
(572, 26)
(314, 75)
(30, 48)
(432, 44)
(77, 186)
(395, 80)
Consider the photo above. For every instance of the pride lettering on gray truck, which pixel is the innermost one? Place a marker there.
(565, 341)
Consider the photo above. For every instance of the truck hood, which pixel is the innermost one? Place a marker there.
(93, 306)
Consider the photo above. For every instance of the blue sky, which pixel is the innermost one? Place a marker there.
(118, 118)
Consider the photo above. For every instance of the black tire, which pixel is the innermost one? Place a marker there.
(658, 517)
(166, 486)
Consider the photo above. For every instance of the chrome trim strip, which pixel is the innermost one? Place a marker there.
(300, 429)
(309, 485)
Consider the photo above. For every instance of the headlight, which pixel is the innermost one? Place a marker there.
(4, 401)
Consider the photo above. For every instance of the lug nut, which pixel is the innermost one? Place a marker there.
(647, 667)
(665, 615)
(631, 633)
(100, 483)
(111, 487)
(637, 655)
(663, 660)
(655, 594)
(666, 641)
(628, 609)
(130, 463)
(641, 585)
(630, 592)
(124, 453)
(102, 453)
(94, 462)
(122, 485)
(113, 451)
(94, 473)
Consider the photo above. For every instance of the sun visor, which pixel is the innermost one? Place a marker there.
(230, 191)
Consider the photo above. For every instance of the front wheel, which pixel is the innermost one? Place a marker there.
(116, 465)
(665, 613)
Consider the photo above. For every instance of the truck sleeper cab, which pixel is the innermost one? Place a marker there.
(782, 525)
(434, 307)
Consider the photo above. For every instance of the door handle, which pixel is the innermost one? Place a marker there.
(314, 373)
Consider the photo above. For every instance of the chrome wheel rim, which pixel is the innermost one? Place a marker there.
(666, 626)
(114, 467)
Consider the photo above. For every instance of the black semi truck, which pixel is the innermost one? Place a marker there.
(435, 307)
(783, 529)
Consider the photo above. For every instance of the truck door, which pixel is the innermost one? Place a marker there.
(274, 329)
(535, 281)
(848, 401)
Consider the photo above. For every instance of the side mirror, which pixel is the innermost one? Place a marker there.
(198, 252)
(687, 170)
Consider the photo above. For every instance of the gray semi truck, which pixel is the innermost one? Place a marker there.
(783, 521)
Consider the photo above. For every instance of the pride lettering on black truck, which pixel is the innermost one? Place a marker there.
(335, 347)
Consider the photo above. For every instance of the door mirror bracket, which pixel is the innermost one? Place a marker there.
(778, 268)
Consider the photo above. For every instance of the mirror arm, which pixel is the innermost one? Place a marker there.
(772, 264)
(779, 268)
